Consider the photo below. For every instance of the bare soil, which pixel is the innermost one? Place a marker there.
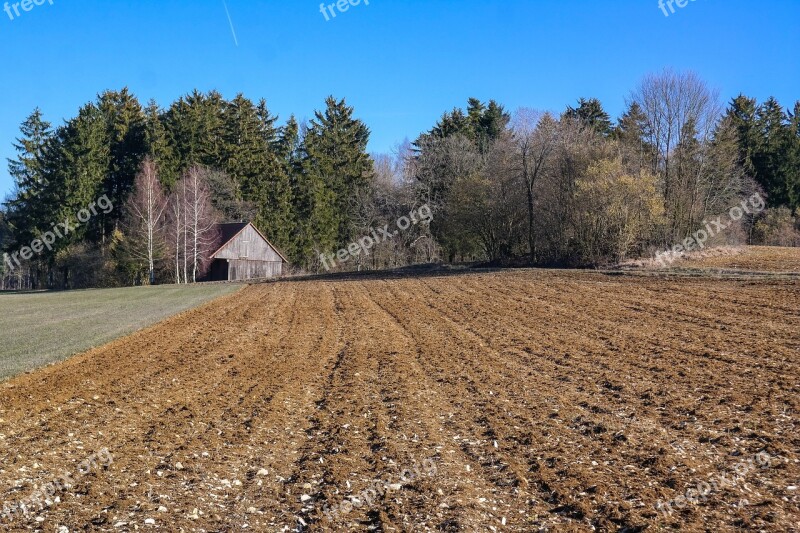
(546, 401)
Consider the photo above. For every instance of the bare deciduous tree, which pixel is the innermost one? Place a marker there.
(201, 220)
(145, 211)
(682, 112)
(192, 225)
(536, 136)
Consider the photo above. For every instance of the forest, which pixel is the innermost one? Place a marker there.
(527, 188)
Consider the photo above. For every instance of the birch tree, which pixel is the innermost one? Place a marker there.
(200, 222)
(145, 210)
(176, 221)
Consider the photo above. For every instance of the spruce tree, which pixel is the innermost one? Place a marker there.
(277, 217)
(335, 167)
(246, 151)
(159, 144)
(80, 172)
(742, 114)
(25, 213)
(771, 163)
(196, 125)
(127, 147)
(633, 134)
(591, 113)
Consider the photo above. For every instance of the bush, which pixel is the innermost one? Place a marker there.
(616, 213)
(777, 227)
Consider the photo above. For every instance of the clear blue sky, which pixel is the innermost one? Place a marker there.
(401, 63)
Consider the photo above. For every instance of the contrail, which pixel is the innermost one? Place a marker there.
(233, 31)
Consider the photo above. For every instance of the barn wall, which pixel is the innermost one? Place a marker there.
(248, 245)
(242, 269)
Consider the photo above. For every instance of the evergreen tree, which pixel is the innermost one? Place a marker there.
(159, 144)
(452, 123)
(742, 115)
(632, 134)
(794, 160)
(196, 124)
(79, 173)
(335, 167)
(25, 213)
(493, 122)
(277, 216)
(127, 147)
(772, 168)
(246, 150)
(481, 124)
(591, 113)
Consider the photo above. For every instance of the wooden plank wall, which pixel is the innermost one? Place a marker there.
(244, 269)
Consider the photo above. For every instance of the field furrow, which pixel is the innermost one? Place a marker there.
(518, 401)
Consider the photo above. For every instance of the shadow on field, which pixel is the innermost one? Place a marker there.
(414, 271)
(434, 270)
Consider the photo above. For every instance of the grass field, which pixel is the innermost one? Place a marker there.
(40, 328)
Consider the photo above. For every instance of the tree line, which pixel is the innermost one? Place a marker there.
(529, 187)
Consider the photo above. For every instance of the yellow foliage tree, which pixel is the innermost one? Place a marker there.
(615, 212)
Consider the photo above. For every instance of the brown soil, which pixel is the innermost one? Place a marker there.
(550, 401)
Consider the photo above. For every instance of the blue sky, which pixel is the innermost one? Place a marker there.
(401, 63)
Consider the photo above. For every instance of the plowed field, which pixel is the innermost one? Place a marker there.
(515, 401)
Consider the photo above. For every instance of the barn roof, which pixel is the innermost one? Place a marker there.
(229, 231)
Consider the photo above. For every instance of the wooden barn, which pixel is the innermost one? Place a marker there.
(244, 253)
